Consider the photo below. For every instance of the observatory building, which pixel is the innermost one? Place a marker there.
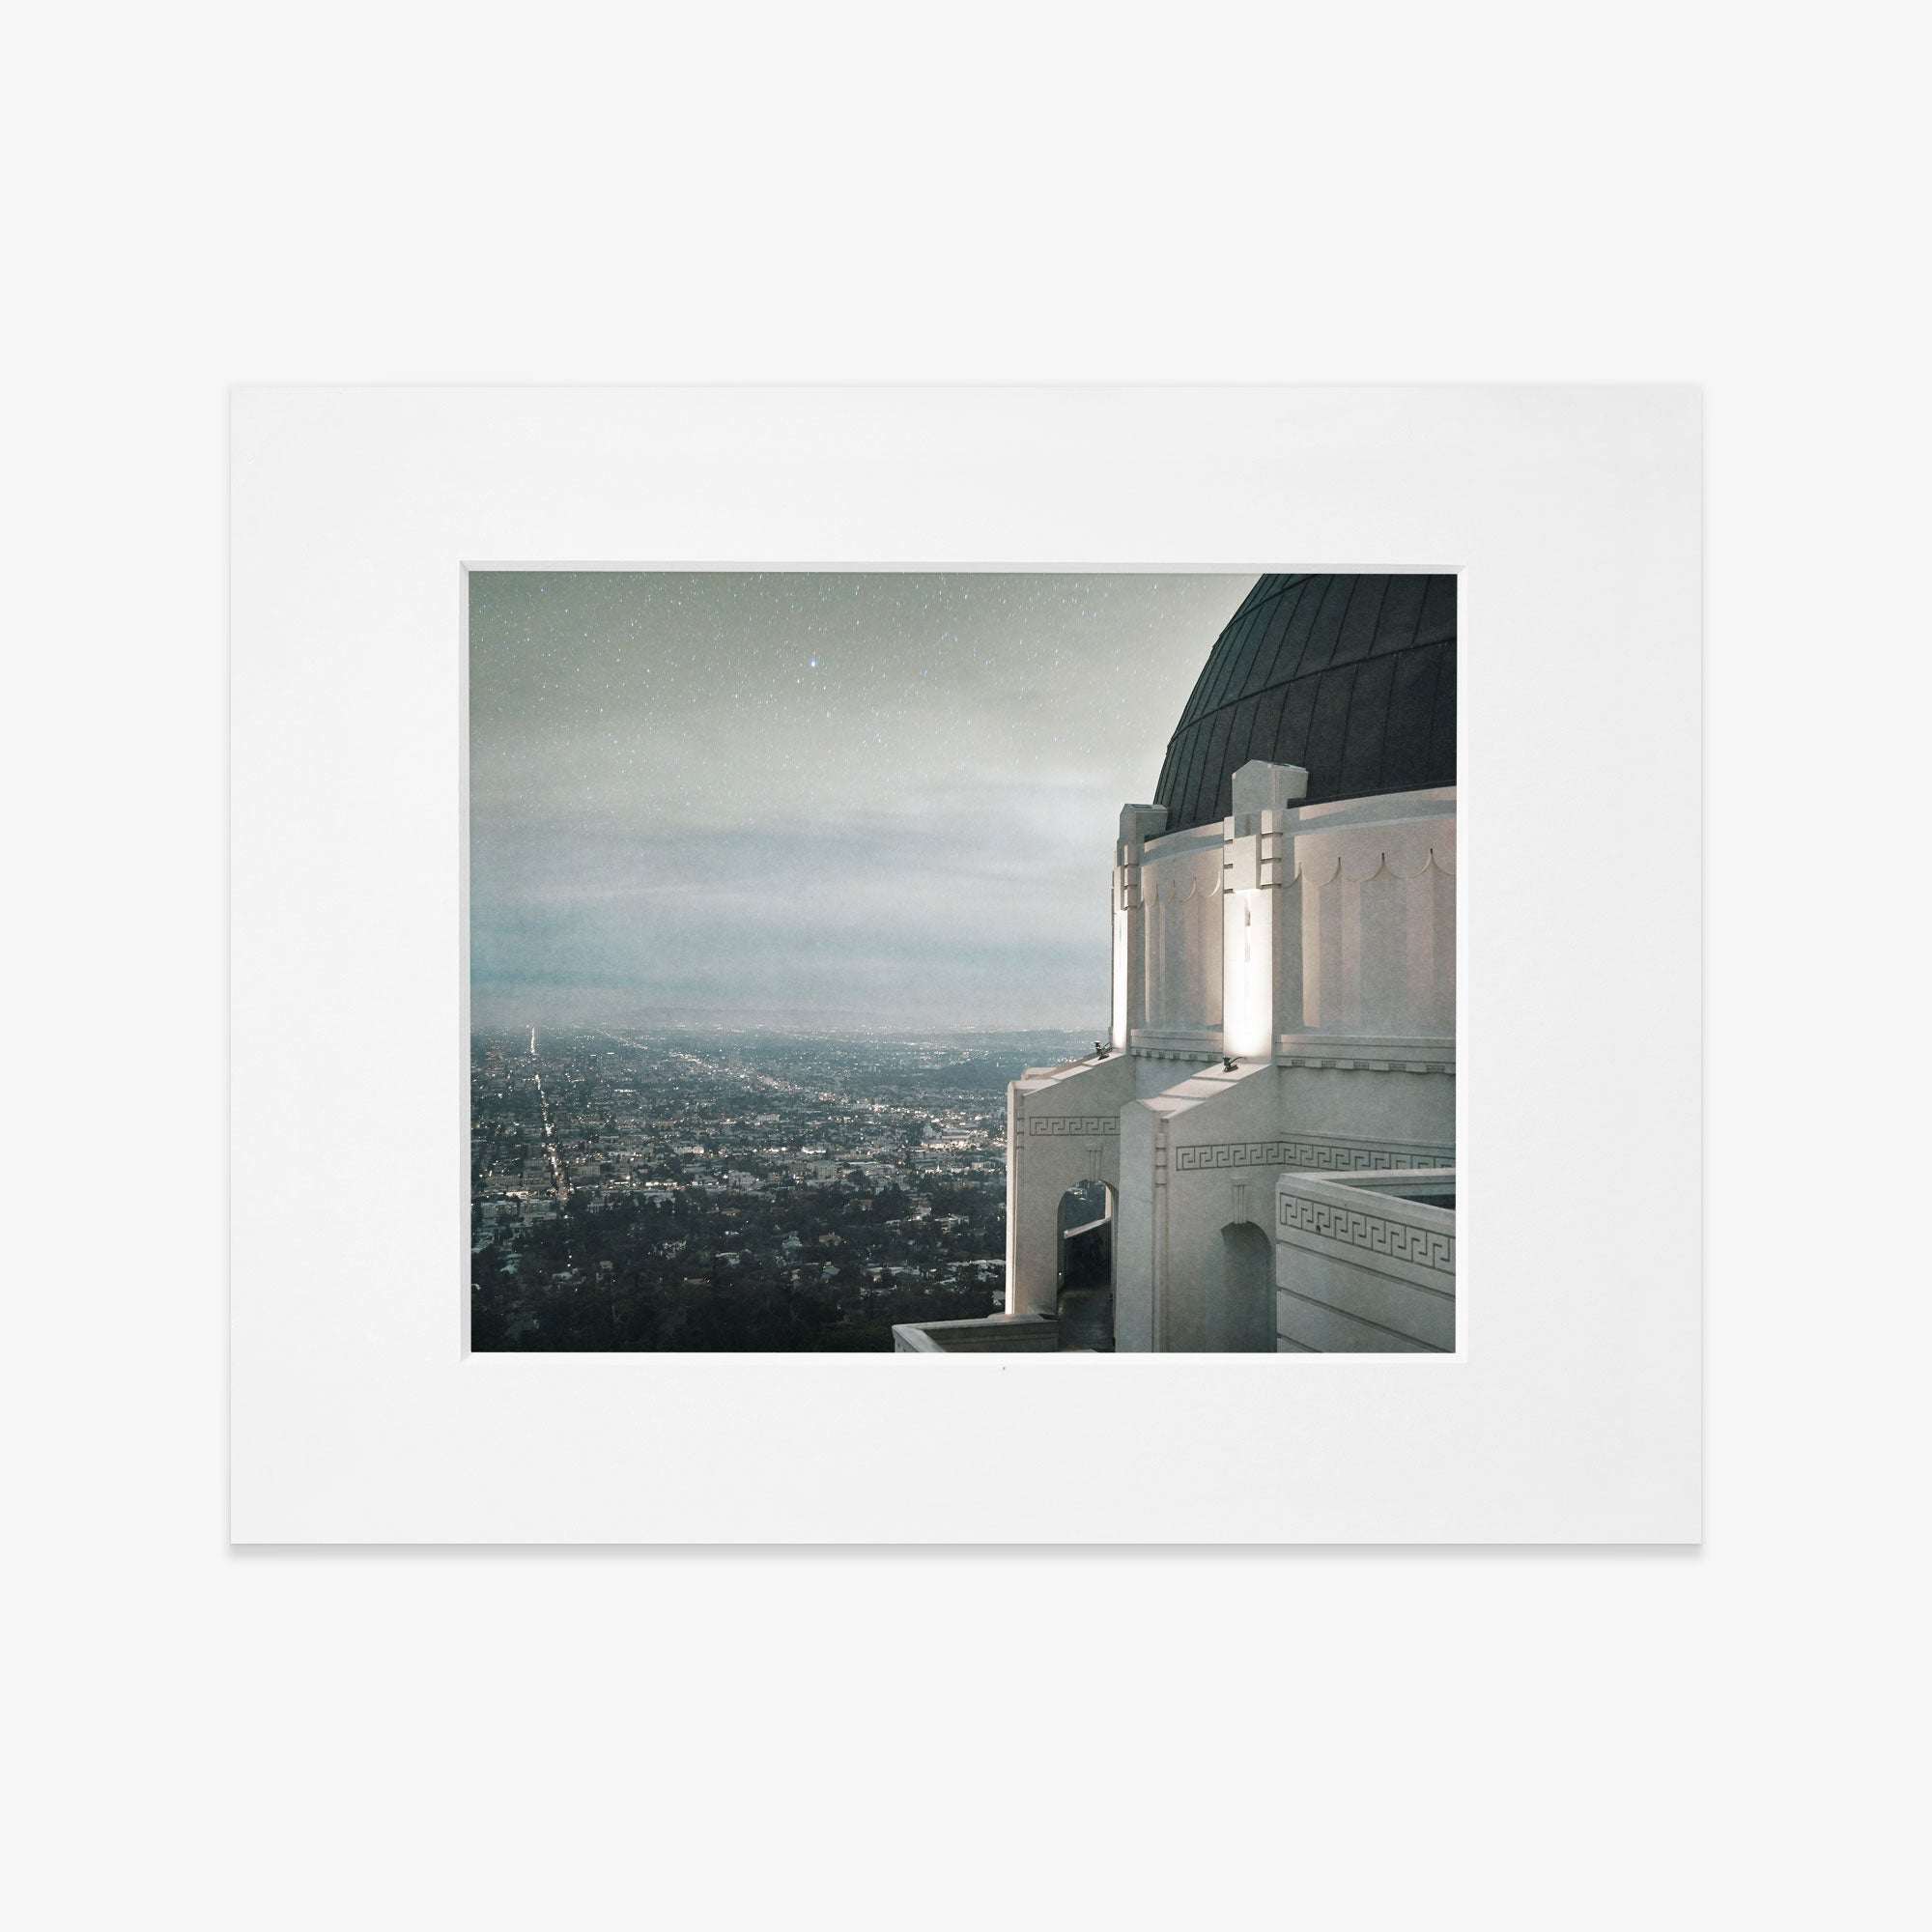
(1266, 1138)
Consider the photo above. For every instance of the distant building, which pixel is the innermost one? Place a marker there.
(1272, 1113)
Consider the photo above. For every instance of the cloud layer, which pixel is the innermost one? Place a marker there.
(856, 799)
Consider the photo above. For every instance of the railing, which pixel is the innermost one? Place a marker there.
(981, 1335)
(1086, 1255)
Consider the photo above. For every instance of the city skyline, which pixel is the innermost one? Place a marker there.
(792, 798)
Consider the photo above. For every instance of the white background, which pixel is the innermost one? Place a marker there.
(1570, 1410)
(939, 1738)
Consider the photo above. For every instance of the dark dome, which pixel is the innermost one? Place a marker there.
(1352, 677)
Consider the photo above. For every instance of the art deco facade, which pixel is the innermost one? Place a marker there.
(1273, 1117)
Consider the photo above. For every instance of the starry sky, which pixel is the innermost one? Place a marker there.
(852, 800)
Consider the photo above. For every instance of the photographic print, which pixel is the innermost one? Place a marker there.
(961, 961)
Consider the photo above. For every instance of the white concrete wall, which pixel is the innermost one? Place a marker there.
(1376, 894)
(1180, 910)
(1206, 1153)
(1325, 931)
(1357, 904)
(1385, 1108)
(1062, 1128)
(1143, 1156)
(1359, 1268)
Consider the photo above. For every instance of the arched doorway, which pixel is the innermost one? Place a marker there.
(1240, 1305)
(1085, 1271)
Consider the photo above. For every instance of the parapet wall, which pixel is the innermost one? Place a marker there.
(1366, 1264)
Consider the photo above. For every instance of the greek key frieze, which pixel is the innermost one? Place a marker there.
(1353, 1227)
(1079, 1126)
(1333, 1156)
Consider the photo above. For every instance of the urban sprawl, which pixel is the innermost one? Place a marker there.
(712, 1189)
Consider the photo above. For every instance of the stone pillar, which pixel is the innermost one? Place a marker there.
(1033, 1217)
(1138, 824)
(1139, 1228)
(1258, 935)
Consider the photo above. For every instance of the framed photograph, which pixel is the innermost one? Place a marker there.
(1177, 907)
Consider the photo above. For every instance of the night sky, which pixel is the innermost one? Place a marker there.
(851, 800)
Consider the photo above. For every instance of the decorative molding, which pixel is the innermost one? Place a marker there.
(1311, 1154)
(1367, 1053)
(1205, 1057)
(1354, 1066)
(1184, 878)
(1078, 1124)
(1355, 1228)
(1346, 1054)
(1345, 867)
(1199, 1046)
